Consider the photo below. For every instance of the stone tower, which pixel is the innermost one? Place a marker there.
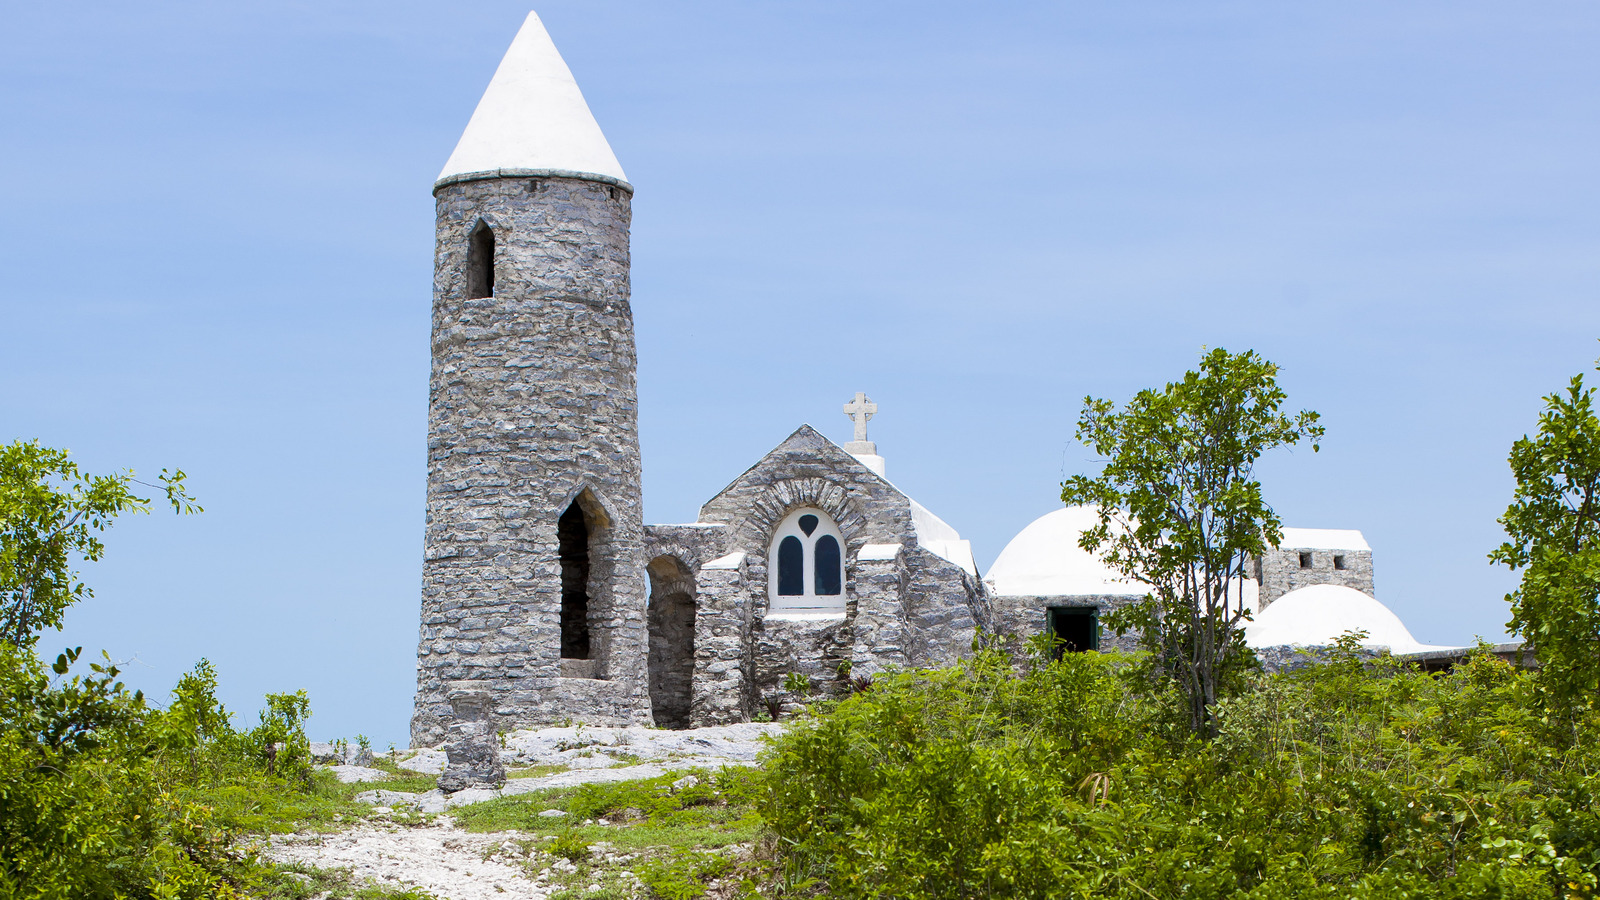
(533, 580)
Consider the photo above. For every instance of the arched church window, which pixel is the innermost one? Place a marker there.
(791, 567)
(806, 564)
(480, 262)
(829, 566)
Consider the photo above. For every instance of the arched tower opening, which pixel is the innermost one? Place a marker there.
(572, 534)
(480, 262)
(671, 621)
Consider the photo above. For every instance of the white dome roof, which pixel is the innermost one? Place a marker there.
(1044, 560)
(1316, 616)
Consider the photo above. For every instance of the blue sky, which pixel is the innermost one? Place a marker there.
(218, 237)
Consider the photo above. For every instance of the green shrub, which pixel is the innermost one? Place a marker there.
(658, 803)
(1072, 779)
(682, 874)
(569, 846)
(105, 795)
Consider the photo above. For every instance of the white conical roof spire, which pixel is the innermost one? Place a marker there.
(532, 119)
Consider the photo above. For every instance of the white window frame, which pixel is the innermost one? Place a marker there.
(808, 603)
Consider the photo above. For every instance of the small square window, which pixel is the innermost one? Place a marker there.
(1338, 561)
(1072, 629)
(1305, 559)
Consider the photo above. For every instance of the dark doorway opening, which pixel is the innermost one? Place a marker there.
(671, 624)
(572, 534)
(1073, 629)
(480, 262)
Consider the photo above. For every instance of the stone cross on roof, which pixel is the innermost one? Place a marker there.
(860, 409)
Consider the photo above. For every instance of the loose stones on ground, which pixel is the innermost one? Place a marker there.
(340, 753)
(464, 866)
(353, 774)
(423, 762)
(589, 755)
(439, 858)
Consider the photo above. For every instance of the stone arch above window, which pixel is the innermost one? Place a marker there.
(585, 552)
(805, 564)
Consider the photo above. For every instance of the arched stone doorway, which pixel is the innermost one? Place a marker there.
(671, 622)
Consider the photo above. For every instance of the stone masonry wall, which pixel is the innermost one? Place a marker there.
(721, 632)
(721, 620)
(532, 404)
(809, 470)
(1279, 571)
(880, 636)
(1019, 618)
(945, 608)
(904, 605)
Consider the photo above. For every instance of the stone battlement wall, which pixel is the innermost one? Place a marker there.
(1279, 571)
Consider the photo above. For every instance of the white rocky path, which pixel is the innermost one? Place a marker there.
(439, 858)
(586, 754)
(456, 864)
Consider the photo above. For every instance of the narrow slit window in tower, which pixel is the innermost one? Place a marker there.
(480, 262)
(829, 570)
(791, 568)
(572, 535)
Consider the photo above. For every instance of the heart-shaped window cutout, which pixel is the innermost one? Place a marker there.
(808, 524)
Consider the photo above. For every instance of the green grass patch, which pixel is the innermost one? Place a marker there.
(259, 804)
(537, 771)
(643, 838)
(721, 800)
(410, 782)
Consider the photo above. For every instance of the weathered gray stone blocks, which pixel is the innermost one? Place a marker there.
(1019, 619)
(472, 751)
(1281, 571)
(532, 407)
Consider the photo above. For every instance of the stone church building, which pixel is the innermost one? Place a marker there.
(546, 598)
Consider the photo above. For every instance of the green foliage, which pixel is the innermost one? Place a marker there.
(644, 816)
(683, 874)
(718, 797)
(656, 800)
(1181, 511)
(797, 683)
(1553, 530)
(570, 846)
(1072, 779)
(105, 795)
(50, 514)
(299, 882)
(280, 740)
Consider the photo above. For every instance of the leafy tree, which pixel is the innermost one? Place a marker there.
(103, 794)
(1553, 526)
(50, 515)
(1181, 511)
